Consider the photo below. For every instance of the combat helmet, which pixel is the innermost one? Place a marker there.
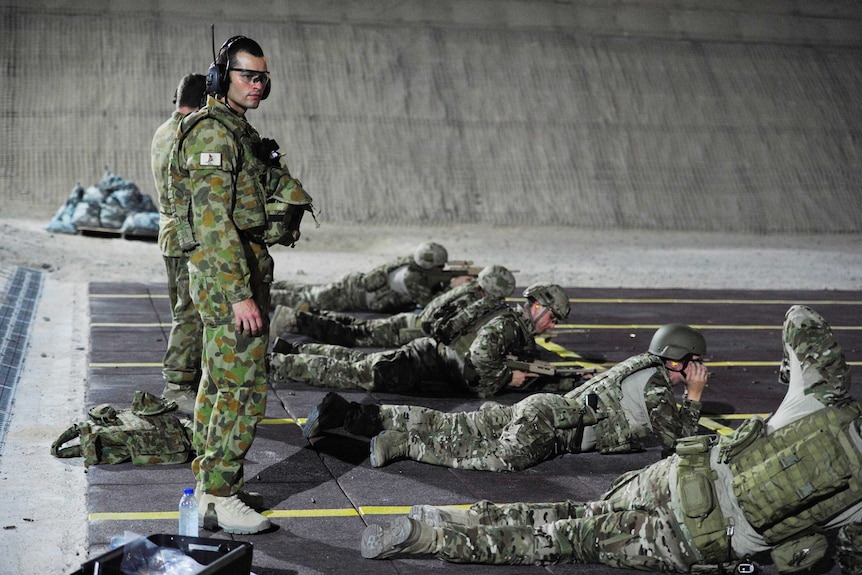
(430, 255)
(677, 341)
(552, 297)
(497, 281)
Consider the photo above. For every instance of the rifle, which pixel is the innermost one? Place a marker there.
(454, 269)
(546, 370)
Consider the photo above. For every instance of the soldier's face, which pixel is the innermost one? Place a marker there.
(543, 318)
(248, 80)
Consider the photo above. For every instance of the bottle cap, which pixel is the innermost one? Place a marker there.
(189, 491)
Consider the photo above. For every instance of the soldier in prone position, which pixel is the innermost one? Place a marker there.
(337, 328)
(471, 357)
(396, 286)
(787, 486)
(612, 413)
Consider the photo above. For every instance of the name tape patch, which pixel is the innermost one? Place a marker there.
(210, 159)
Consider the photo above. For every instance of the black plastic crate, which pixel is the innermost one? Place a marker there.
(220, 556)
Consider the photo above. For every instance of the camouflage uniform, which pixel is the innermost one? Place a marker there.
(181, 366)
(475, 361)
(786, 486)
(396, 286)
(635, 397)
(399, 329)
(217, 166)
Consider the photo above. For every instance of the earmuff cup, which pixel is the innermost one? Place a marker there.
(217, 77)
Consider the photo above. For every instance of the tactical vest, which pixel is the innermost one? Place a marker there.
(148, 433)
(478, 314)
(459, 317)
(613, 432)
(270, 206)
(378, 278)
(801, 475)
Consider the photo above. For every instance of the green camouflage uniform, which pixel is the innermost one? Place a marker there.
(635, 397)
(231, 264)
(786, 486)
(396, 286)
(181, 366)
(475, 361)
(399, 329)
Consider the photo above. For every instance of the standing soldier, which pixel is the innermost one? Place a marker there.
(181, 366)
(470, 351)
(787, 486)
(224, 181)
(612, 413)
(343, 329)
(396, 286)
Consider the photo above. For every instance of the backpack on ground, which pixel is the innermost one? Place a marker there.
(148, 433)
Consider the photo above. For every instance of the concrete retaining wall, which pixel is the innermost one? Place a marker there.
(651, 115)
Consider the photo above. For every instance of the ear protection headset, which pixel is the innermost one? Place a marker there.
(218, 77)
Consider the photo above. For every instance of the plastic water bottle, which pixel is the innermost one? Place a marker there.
(189, 513)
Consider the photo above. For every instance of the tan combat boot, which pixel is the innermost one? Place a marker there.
(231, 514)
(388, 445)
(402, 536)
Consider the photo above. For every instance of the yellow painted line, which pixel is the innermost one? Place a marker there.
(274, 513)
(279, 513)
(283, 421)
(563, 352)
(597, 326)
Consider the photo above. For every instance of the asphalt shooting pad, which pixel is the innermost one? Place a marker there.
(320, 494)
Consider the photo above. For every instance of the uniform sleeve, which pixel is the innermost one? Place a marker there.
(669, 422)
(421, 287)
(488, 355)
(211, 157)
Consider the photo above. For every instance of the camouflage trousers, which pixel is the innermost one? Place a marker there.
(348, 293)
(181, 366)
(231, 399)
(631, 526)
(401, 369)
(346, 330)
(494, 438)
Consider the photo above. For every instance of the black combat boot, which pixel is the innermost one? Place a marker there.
(363, 419)
(327, 414)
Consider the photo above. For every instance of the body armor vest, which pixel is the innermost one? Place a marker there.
(454, 320)
(517, 330)
(800, 475)
(613, 432)
(179, 193)
(378, 278)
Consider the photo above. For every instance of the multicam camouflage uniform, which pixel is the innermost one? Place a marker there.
(396, 286)
(634, 398)
(231, 264)
(786, 486)
(475, 361)
(349, 331)
(181, 366)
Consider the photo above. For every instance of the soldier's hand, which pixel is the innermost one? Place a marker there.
(249, 320)
(696, 377)
(520, 378)
(459, 280)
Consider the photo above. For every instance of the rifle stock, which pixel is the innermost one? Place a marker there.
(545, 368)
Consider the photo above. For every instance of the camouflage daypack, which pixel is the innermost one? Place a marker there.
(148, 433)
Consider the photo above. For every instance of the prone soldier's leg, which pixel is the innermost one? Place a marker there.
(321, 371)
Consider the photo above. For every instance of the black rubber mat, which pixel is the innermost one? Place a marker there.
(321, 494)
